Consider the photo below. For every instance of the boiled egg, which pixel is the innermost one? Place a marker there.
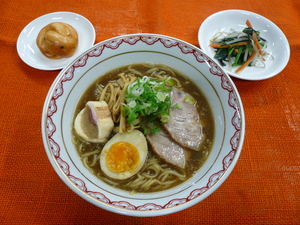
(124, 155)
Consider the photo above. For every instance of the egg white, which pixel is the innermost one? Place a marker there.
(137, 139)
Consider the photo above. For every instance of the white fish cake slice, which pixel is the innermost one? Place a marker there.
(94, 123)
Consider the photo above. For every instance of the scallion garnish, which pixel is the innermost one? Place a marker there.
(148, 98)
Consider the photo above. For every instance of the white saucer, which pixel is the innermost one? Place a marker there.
(278, 45)
(29, 51)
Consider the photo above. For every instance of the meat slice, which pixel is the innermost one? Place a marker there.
(184, 125)
(168, 149)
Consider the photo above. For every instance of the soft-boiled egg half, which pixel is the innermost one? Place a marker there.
(124, 155)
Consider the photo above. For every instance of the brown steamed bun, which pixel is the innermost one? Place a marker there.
(57, 40)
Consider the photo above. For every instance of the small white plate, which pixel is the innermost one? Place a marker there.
(29, 51)
(278, 45)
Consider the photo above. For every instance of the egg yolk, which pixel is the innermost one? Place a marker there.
(122, 157)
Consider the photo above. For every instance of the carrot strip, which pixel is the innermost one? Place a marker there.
(254, 36)
(228, 46)
(246, 63)
(248, 23)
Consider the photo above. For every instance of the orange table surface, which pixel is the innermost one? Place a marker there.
(264, 187)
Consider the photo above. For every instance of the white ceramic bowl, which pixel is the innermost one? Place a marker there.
(131, 49)
(278, 45)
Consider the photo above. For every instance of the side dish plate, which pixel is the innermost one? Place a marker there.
(29, 51)
(278, 46)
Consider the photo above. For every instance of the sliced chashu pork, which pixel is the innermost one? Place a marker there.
(163, 145)
(184, 126)
(94, 123)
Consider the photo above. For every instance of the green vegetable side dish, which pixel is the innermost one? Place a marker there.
(240, 49)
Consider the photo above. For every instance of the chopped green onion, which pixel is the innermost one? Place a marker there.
(161, 96)
(148, 97)
(189, 99)
(177, 106)
(132, 104)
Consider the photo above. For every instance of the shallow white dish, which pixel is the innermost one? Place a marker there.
(73, 80)
(29, 51)
(278, 45)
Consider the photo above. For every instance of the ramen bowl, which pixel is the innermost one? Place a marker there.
(215, 84)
